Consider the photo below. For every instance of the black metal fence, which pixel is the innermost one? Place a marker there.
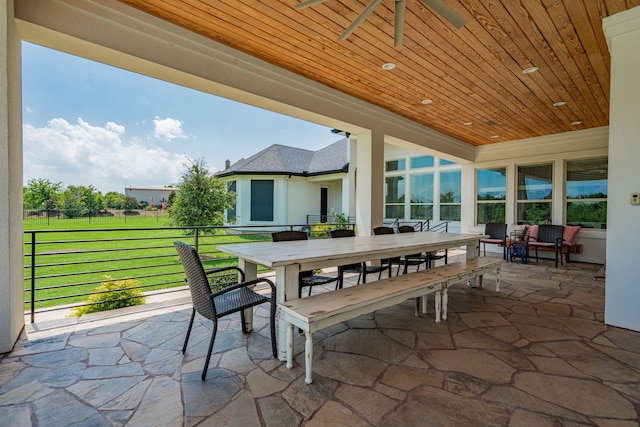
(42, 217)
(64, 267)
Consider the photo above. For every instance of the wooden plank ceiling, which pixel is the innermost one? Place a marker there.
(473, 75)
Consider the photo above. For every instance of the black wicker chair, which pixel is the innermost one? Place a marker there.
(497, 235)
(413, 259)
(214, 305)
(306, 278)
(390, 262)
(361, 268)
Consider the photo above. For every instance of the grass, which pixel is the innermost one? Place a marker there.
(71, 264)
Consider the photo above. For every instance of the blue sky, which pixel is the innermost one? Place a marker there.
(86, 123)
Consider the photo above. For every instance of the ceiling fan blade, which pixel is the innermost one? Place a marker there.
(308, 3)
(442, 9)
(398, 26)
(360, 18)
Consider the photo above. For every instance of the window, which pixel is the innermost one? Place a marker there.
(395, 165)
(231, 212)
(421, 196)
(535, 186)
(421, 162)
(450, 195)
(491, 191)
(262, 200)
(394, 196)
(444, 162)
(586, 192)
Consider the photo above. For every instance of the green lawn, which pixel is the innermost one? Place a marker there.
(82, 254)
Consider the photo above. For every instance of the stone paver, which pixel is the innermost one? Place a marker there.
(536, 353)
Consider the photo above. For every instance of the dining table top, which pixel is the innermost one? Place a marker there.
(340, 251)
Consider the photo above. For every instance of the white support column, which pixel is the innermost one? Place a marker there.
(11, 260)
(349, 182)
(622, 31)
(369, 182)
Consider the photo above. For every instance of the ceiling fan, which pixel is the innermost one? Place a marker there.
(398, 34)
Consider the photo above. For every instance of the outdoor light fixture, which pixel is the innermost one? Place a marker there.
(530, 70)
(388, 66)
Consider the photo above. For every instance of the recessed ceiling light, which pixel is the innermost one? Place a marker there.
(559, 103)
(427, 101)
(467, 123)
(530, 70)
(388, 66)
(494, 136)
(577, 122)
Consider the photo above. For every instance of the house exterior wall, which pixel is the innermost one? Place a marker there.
(557, 150)
(294, 198)
(623, 282)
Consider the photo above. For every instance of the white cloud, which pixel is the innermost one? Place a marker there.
(168, 129)
(82, 154)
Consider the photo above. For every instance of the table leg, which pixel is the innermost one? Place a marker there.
(438, 305)
(286, 290)
(445, 302)
(472, 253)
(308, 355)
(250, 272)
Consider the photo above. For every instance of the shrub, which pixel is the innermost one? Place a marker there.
(321, 229)
(112, 294)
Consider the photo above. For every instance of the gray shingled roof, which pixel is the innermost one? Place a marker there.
(281, 159)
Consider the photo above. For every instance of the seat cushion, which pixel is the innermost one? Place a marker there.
(570, 234)
(540, 244)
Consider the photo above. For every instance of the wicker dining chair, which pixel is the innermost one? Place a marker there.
(214, 305)
(306, 278)
(362, 268)
(413, 259)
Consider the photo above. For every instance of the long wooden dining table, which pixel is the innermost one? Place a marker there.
(288, 259)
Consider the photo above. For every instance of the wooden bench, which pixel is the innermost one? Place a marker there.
(321, 311)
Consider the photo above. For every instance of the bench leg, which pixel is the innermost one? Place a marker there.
(417, 313)
(498, 280)
(425, 301)
(308, 355)
(480, 281)
(445, 302)
(289, 345)
(438, 305)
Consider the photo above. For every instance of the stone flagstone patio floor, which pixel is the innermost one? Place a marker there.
(535, 354)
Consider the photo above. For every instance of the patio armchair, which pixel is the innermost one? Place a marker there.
(549, 236)
(361, 268)
(413, 259)
(234, 298)
(497, 235)
(306, 278)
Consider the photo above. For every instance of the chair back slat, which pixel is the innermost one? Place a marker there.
(342, 233)
(196, 279)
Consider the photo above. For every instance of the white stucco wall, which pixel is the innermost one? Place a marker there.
(622, 280)
(11, 261)
(554, 149)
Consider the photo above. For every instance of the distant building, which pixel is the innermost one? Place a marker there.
(285, 185)
(151, 195)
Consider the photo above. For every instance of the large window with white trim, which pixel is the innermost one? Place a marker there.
(394, 196)
(421, 196)
(232, 211)
(535, 190)
(491, 195)
(586, 192)
(450, 195)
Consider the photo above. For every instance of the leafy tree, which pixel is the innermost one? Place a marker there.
(93, 199)
(71, 202)
(201, 200)
(114, 200)
(171, 198)
(41, 193)
(130, 203)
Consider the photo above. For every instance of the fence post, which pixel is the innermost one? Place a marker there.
(196, 239)
(33, 277)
